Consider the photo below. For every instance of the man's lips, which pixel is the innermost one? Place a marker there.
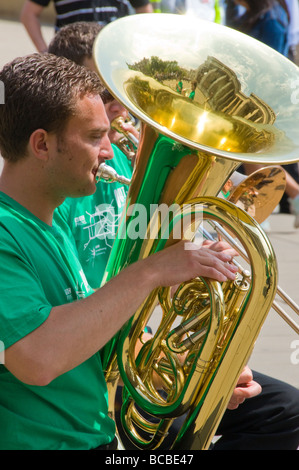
(95, 170)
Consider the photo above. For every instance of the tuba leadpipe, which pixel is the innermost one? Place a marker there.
(187, 150)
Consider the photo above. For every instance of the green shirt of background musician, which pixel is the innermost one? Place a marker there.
(93, 220)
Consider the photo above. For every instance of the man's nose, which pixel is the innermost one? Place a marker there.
(106, 150)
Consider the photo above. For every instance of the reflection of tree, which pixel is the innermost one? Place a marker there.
(190, 119)
(141, 92)
(161, 69)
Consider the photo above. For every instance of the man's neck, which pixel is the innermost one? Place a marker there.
(26, 186)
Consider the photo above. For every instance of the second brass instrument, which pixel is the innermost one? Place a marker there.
(127, 141)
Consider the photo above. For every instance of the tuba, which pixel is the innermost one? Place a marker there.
(243, 110)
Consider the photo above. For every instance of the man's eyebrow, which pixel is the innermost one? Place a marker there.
(99, 130)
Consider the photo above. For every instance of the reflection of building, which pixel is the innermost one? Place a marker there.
(221, 90)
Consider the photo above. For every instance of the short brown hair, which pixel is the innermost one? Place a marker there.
(41, 91)
(75, 41)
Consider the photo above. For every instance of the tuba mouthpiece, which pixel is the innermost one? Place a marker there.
(108, 174)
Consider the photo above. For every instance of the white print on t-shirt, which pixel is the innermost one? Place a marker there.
(120, 196)
(2, 352)
(80, 220)
(102, 224)
(94, 252)
(82, 286)
(68, 293)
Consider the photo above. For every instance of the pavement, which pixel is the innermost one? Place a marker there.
(15, 42)
(276, 351)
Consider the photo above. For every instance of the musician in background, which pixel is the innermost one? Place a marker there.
(100, 11)
(94, 220)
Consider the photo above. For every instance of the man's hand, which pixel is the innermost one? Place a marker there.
(220, 247)
(184, 261)
(245, 388)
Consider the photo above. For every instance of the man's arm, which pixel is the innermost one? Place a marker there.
(74, 332)
(30, 17)
(246, 388)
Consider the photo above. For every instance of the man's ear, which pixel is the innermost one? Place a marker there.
(39, 144)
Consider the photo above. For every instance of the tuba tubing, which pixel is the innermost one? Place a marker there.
(223, 340)
(283, 295)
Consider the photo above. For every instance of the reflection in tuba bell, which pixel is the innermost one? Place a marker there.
(188, 149)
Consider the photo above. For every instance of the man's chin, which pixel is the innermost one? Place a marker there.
(86, 191)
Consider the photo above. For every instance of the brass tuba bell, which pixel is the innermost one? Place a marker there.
(243, 110)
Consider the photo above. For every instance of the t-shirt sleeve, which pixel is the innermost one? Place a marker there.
(139, 3)
(23, 304)
(43, 3)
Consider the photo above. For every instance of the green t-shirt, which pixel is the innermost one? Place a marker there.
(93, 220)
(40, 270)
